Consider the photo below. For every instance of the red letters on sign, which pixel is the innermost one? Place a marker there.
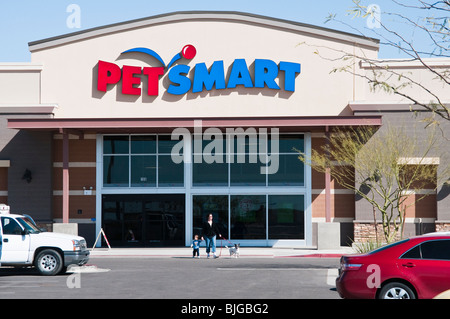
(110, 73)
(153, 79)
(128, 80)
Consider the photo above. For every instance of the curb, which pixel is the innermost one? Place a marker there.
(244, 253)
(317, 256)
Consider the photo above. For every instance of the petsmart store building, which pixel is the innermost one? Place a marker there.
(143, 128)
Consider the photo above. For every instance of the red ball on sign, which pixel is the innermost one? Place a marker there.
(189, 51)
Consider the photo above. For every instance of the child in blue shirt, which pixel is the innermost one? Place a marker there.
(196, 247)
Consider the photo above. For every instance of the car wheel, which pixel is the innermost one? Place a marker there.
(49, 262)
(396, 290)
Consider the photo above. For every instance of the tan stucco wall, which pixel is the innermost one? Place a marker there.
(19, 83)
(69, 75)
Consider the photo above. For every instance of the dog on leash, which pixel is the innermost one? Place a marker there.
(234, 251)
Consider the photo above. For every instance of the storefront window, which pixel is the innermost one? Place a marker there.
(115, 171)
(286, 217)
(166, 144)
(203, 205)
(144, 220)
(263, 212)
(290, 171)
(143, 144)
(246, 174)
(116, 145)
(140, 161)
(143, 171)
(214, 174)
(248, 216)
(289, 143)
(246, 164)
(169, 173)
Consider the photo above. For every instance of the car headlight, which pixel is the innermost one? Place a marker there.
(76, 245)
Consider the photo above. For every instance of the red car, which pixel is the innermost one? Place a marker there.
(414, 268)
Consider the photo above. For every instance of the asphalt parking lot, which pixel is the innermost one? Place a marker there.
(179, 278)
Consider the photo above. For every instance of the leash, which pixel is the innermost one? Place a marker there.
(221, 244)
(228, 241)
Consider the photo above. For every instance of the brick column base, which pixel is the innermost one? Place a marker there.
(442, 226)
(365, 232)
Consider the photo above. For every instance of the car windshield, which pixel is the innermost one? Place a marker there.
(28, 225)
(388, 246)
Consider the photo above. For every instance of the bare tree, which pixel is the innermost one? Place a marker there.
(381, 167)
(432, 21)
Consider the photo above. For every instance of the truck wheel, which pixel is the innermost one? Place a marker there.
(49, 262)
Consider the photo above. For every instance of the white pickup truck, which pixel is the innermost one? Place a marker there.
(22, 243)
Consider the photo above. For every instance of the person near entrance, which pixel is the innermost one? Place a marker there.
(196, 247)
(210, 231)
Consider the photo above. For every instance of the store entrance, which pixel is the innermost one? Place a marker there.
(144, 220)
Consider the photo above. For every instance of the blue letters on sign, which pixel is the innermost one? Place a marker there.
(266, 71)
(239, 75)
(290, 70)
(175, 76)
(203, 77)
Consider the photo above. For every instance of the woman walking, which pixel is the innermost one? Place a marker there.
(210, 231)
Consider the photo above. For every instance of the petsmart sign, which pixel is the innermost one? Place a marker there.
(262, 74)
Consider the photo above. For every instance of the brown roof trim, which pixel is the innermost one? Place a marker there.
(99, 124)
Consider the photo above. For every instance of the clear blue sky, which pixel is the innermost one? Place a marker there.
(22, 21)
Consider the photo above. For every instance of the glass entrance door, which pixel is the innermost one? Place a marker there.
(147, 220)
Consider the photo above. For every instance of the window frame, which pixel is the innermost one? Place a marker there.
(419, 245)
(130, 155)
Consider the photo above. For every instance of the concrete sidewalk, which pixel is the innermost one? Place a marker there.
(245, 252)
